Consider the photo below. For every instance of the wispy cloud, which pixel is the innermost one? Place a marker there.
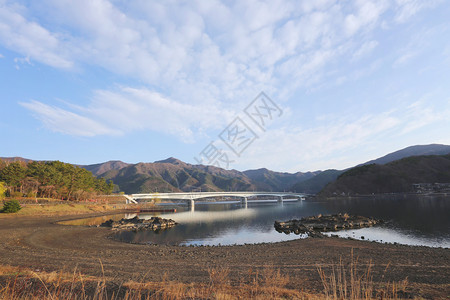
(408, 8)
(129, 109)
(328, 144)
(365, 49)
(63, 121)
(30, 38)
(420, 114)
(418, 43)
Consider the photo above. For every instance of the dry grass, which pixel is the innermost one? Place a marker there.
(65, 209)
(266, 284)
(20, 283)
(49, 206)
(48, 277)
(353, 281)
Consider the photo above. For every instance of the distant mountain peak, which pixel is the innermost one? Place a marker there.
(15, 158)
(170, 160)
(258, 170)
(98, 169)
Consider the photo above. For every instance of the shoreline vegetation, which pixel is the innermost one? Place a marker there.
(50, 207)
(50, 179)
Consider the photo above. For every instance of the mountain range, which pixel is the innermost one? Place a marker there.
(175, 175)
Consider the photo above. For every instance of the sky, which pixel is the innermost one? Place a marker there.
(286, 85)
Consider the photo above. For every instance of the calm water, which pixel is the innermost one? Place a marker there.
(410, 220)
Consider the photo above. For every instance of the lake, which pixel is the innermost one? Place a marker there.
(410, 219)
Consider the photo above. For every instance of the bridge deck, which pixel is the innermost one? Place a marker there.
(199, 195)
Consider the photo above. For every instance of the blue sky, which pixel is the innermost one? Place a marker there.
(89, 81)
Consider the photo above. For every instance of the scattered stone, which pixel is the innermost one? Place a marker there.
(313, 226)
(135, 224)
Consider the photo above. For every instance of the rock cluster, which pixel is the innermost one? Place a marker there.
(316, 224)
(135, 224)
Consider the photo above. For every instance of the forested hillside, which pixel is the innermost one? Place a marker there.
(395, 177)
(318, 182)
(52, 179)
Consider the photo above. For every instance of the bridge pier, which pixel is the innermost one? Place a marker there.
(280, 199)
(244, 202)
(191, 205)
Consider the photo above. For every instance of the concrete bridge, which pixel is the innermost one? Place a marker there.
(191, 197)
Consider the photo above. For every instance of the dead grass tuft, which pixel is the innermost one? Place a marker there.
(356, 282)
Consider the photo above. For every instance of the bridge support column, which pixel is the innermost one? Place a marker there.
(244, 202)
(280, 199)
(191, 205)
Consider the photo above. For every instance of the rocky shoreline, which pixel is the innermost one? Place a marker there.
(313, 226)
(136, 224)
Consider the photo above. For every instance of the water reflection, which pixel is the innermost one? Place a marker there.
(411, 220)
(393, 235)
(425, 215)
(221, 223)
(93, 221)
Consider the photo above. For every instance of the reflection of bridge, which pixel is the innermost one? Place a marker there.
(191, 197)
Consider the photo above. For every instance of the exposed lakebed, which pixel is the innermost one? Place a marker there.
(410, 220)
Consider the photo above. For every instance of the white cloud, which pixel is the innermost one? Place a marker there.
(306, 147)
(365, 49)
(141, 109)
(328, 144)
(1, 55)
(408, 8)
(418, 43)
(421, 114)
(367, 14)
(240, 44)
(128, 109)
(31, 39)
(66, 122)
(404, 58)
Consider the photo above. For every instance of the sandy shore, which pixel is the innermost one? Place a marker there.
(40, 244)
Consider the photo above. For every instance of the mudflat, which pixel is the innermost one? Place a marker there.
(41, 244)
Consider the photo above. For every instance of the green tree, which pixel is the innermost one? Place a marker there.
(11, 206)
(3, 164)
(52, 179)
(2, 190)
(13, 175)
